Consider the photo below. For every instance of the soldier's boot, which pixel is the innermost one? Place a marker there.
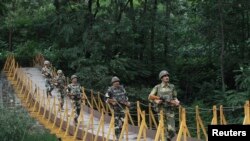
(117, 133)
(76, 121)
(61, 105)
(50, 94)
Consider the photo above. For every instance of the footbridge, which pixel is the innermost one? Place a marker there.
(96, 120)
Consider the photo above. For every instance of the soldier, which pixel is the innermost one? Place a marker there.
(74, 91)
(117, 97)
(164, 96)
(47, 73)
(60, 83)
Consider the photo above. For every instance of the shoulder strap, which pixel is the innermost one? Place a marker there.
(123, 89)
(172, 87)
(157, 89)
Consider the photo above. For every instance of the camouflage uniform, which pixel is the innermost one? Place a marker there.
(75, 90)
(119, 94)
(47, 72)
(167, 92)
(60, 84)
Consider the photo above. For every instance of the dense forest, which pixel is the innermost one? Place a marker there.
(204, 44)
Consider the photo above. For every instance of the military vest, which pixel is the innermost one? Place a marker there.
(60, 80)
(47, 72)
(119, 94)
(75, 90)
(166, 93)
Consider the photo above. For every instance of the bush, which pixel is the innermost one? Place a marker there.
(17, 125)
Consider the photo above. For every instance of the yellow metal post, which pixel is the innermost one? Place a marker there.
(68, 123)
(101, 124)
(84, 94)
(51, 109)
(111, 126)
(46, 107)
(143, 128)
(129, 116)
(124, 126)
(222, 116)
(138, 113)
(214, 120)
(183, 128)
(89, 124)
(151, 114)
(93, 101)
(197, 122)
(36, 100)
(40, 104)
(65, 114)
(160, 128)
(202, 127)
(55, 117)
(101, 105)
(247, 113)
(80, 119)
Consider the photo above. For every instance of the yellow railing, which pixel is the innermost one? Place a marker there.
(247, 113)
(200, 125)
(46, 111)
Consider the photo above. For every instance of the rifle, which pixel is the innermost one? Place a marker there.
(114, 101)
(166, 99)
(75, 96)
(154, 97)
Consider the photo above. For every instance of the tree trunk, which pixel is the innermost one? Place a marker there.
(222, 47)
(167, 16)
(248, 26)
(90, 6)
(10, 39)
(90, 25)
(97, 8)
(242, 45)
(142, 38)
(152, 37)
(135, 50)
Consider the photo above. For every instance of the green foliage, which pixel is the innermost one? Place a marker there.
(243, 79)
(17, 125)
(26, 51)
(239, 96)
(135, 41)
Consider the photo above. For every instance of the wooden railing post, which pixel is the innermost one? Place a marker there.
(214, 120)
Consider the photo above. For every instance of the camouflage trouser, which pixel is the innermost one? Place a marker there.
(169, 123)
(60, 96)
(48, 85)
(77, 108)
(119, 119)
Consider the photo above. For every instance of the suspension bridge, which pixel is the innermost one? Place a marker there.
(96, 120)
